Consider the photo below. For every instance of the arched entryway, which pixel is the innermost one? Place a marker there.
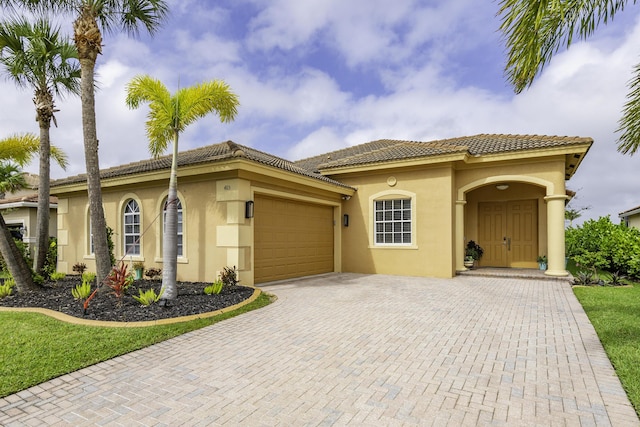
(515, 219)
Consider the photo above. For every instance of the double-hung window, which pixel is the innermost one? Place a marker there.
(392, 222)
(132, 228)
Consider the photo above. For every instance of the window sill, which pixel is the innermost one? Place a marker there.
(405, 247)
(181, 260)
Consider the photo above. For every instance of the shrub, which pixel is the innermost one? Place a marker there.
(148, 297)
(88, 276)
(79, 267)
(57, 275)
(229, 276)
(600, 244)
(51, 259)
(152, 273)
(7, 287)
(584, 278)
(119, 280)
(23, 248)
(615, 279)
(214, 288)
(138, 265)
(82, 291)
(473, 250)
(110, 245)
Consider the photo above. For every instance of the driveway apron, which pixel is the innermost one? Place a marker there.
(350, 349)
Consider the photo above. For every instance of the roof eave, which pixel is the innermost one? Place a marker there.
(392, 164)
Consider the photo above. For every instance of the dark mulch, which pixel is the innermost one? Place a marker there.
(105, 306)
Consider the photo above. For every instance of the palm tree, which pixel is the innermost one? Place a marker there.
(170, 115)
(18, 149)
(91, 17)
(536, 29)
(36, 56)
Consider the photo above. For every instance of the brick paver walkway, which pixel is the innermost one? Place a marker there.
(359, 350)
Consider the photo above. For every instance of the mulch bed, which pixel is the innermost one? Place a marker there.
(105, 306)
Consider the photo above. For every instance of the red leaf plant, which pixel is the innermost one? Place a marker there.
(118, 280)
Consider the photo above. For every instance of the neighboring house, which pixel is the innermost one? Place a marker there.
(19, 211)
(388, 207)
(631, 217)
(20, 215)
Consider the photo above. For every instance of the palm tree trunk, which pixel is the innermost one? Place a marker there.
(16, 264)
(170, 236)
(88, 41)
(42, 216)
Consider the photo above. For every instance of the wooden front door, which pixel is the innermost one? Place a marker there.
(508, 233)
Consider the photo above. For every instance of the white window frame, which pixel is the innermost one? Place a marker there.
(390, 196)
(136, 236)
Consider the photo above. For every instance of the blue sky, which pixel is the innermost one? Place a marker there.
(319, 75)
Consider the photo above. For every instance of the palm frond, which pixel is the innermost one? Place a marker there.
(60, 157)
(535, 30)
(131, 15)
(11, 177)
(629, 124)
(19, 148)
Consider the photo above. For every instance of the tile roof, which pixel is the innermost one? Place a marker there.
(30, 198)
(210, 153)
(386, 150)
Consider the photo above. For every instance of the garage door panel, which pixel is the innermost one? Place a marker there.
(292, 239)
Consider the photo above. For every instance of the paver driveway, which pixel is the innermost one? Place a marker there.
(360, 350)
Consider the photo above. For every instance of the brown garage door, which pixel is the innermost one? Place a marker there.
(292, 239)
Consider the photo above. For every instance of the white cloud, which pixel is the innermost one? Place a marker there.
(320, 141)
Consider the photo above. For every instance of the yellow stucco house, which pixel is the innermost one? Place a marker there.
(630, 217)
(387, 206)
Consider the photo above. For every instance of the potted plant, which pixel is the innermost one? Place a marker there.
(138, 267)
(542, 262)
(473, 252)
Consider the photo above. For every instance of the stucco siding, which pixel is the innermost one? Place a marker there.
(431, 251)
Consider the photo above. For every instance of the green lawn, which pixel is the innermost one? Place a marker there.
(615, 314)
(35, 348)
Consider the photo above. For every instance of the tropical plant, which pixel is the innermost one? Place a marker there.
(615, 279)
(91, 17)
(169, 115)
(51, 260)
(88, 276)
(36, 56)
(57, 275)
(536, 29)
(119, 280)
(79, 267)
(148, 297)
(82, 291)
(473, 250)
(152, 273)
(229, 276)
(7, 287)
(586, 278)
(214, 288)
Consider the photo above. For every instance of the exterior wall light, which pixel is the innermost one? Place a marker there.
(345, 220)
(248, 209)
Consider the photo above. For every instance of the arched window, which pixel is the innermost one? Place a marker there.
(164, 221)
(132, 228)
